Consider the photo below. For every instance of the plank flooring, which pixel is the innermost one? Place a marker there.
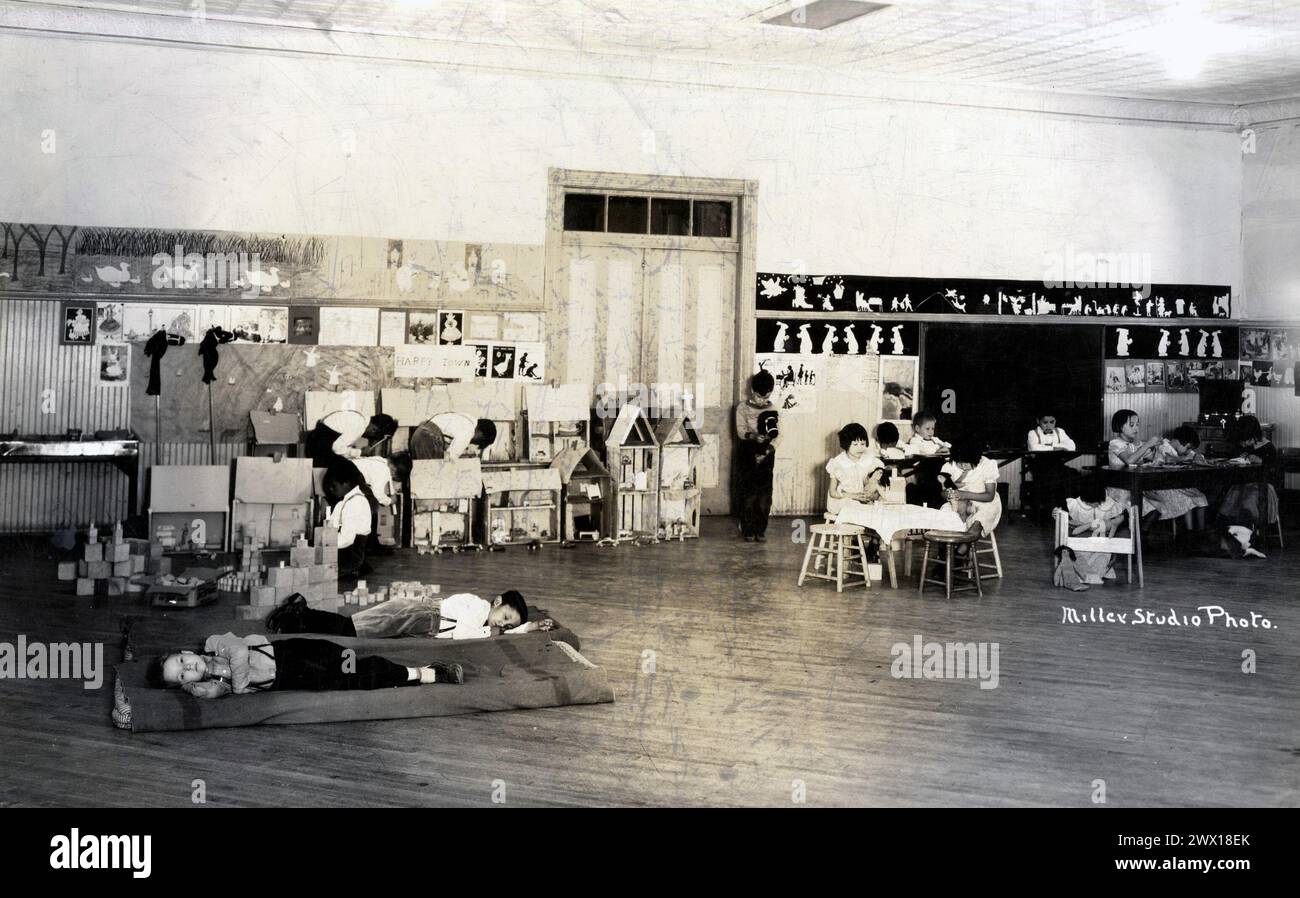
(758, 689)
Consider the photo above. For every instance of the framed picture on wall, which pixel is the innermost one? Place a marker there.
(304, 325)
(899, 376)
(78, 322)
(114, 364)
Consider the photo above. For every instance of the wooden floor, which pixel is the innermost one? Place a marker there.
(757, 685)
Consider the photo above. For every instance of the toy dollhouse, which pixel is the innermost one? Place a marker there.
(588, 505)
(521, 506)
(555, 419)
(679, 480)
(273, 499)
(189, 507)
(275, 433)
(444, 500)
(632, 456)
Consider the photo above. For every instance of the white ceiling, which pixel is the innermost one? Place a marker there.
(1109, 48)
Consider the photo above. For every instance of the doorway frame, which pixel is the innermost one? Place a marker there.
(744, 192)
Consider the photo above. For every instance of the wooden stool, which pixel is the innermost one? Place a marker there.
(836, 545)
(988, 545)
(946, 541)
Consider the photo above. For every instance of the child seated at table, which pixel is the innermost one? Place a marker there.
(973, 489)
(855, 474)
(923, 441)
(1127, 449)
(1047, 436)
(887, 442)
(1094, 514)
(1246, 504)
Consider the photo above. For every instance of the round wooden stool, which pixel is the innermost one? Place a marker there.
(840, 549)
(945, 543)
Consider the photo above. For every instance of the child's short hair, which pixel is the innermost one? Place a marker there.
(1247, 428)
(153, 674)
(512, 598)
(762, 383)
(966, 450)
(1043, 413)
(1120, 418)
(1186, 435)
(923, 418)
(381, 427)
(401, 464)
(851, 433)
(1092, 490)
(340, 478)
(886, 434)
(485, 433)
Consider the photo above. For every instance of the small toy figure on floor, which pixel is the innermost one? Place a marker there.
(240, 665)
(756, 428)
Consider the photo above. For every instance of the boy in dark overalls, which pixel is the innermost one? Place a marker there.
(755, 456)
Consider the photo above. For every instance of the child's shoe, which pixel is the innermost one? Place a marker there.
(441, 672)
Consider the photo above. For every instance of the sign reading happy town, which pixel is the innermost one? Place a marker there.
(1126, 298)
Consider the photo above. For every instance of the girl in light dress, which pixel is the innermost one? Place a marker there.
(1127, 449)
(1093, 513)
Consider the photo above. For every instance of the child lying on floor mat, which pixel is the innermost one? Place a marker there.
(245, 664)
(460, 616)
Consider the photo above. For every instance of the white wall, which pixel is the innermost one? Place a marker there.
(1271, 224)
(202, 138)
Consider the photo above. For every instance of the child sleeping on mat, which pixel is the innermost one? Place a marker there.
(460, 616)
(240, 665)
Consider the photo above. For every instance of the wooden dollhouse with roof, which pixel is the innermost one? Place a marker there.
(555, 419)
(444, 503)
(632, 456)
(679, 481)
(521, 506)
(588, 499)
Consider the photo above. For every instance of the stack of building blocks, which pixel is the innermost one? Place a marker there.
(111, 562)
(363, 597)
(312, 571)
(413, 589)
(251, 564)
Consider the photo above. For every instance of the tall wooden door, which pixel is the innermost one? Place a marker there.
(651, 324)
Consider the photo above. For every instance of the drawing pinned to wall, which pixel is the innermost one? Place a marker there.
(394, 257)
(1155, 376)
(521, 327)
(304, 325)
(1280, 345)
(482, 352)
(1114, 378)
(114, 365)
(797, 381)
(898, 383)
(1255, 344)
(392, 328)
(422, 327)
(212, 316)
(1195, 374)
(348, 326)
(78, 323)
(1135, 377)
(1263, 374)
(140, 322)
(108, 323)
(260, 324)
(1176, 377)
(530, 362)
(483, 327)
(473, 262)
(502, 362)
(451, 328)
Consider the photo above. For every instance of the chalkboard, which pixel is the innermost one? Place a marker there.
(1003, 375)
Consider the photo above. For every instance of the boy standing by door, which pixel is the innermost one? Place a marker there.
(755, 456)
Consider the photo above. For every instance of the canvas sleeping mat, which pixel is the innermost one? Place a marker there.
(530, 670)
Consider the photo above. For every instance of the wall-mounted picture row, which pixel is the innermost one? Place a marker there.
(1129, 295)
(92, 323)
(836, 337)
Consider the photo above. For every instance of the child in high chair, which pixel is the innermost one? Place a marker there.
(1093, 513)
(855, 474)
(974, 490)
(923, 441)
(1128, 449)
(239, 665)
